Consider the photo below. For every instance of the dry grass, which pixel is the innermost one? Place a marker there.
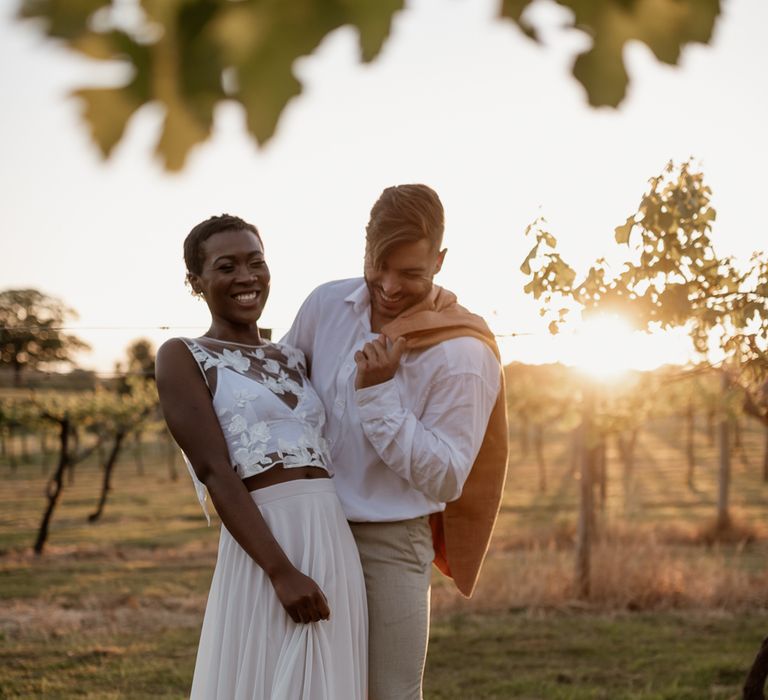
(657, 546)
(629, 571)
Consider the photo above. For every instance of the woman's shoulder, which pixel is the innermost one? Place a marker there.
(175, 342)
(176, 360)
(175, 348)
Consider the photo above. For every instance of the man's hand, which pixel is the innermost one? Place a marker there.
(378, 361)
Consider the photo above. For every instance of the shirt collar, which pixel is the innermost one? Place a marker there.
(359, 298)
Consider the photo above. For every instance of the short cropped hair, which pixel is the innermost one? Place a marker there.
(193, 243)
(403, 214)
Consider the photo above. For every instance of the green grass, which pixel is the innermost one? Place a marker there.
(553, 656)
(578, 657)
(100, 666)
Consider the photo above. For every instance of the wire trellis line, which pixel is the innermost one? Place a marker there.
(513, 334)
(95, 328)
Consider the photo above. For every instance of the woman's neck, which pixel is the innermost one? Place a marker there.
(243, 335)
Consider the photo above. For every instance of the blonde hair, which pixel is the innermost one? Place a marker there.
(403, 213)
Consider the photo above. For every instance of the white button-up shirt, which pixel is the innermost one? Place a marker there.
(402, 448)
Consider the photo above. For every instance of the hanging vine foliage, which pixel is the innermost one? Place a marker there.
(188, 55)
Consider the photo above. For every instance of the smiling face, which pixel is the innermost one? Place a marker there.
(402, 249)
(234, 281)
(402, 279)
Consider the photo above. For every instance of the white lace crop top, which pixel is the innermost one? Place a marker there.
(268, 411)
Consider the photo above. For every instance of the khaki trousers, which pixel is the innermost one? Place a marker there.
(397, 566)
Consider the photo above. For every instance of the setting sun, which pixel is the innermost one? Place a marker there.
(603, 347)
(606, 347)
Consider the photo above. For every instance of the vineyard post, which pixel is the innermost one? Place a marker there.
(584, 535)
(601, 464)
(724, 472)
(690, 448)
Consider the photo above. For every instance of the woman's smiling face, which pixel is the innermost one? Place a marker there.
(234, 279)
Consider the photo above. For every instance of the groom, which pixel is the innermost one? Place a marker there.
(413, 392)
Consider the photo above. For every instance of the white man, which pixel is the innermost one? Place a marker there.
(413, 392)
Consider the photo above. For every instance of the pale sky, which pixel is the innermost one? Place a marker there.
(456, 99)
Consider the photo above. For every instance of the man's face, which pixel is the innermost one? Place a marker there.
(403, 278)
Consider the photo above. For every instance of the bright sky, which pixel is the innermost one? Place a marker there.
(457, 99)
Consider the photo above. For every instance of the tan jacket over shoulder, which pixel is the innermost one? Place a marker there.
(462, 532)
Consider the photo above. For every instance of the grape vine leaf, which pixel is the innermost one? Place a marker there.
(665, 26)
(188, 55)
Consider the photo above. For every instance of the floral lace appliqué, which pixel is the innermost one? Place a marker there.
(256, 432)
(253, 441)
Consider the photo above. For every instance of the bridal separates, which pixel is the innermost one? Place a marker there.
(250, 649)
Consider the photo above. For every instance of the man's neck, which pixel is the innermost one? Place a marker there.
(377, 322)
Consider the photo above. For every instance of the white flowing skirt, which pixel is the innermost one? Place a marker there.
(249, 646)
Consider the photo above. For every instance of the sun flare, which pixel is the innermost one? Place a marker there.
(607, 347)
(604, 347)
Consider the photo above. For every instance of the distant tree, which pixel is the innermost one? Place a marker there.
(140, 365)
(672, 277)
(188, 56)
(141, 358)
(31, 331)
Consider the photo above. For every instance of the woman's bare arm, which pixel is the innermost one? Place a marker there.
(189, 412)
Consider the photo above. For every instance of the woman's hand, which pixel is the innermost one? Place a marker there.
(300, 596)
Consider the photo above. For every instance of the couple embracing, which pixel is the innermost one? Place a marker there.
(321, 587)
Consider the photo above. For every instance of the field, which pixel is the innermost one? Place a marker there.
(112, 609)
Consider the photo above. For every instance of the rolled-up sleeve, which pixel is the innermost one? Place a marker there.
(433, 452)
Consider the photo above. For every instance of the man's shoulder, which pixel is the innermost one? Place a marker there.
(462, 354)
